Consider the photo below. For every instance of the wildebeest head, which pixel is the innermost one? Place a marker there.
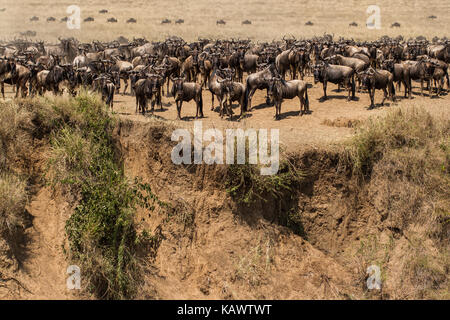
(177, 89)
(318, 71)
(367, 77)
(388, 65)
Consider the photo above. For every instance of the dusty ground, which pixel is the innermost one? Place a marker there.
(330, 121)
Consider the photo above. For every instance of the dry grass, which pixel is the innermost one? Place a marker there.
(403, 161)
(270, 19)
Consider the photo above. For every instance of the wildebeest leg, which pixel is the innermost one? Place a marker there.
(430, 84)
(384, 96)
(372, 96)
(212, 101)
(250, 96)
(268, 97)
(3, 89)
(167, 86)
(17, 89)
(325, 90)
(179, 109)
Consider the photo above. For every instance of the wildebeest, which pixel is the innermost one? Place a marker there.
(400, 73)
(131, 20)
(123, 67)
(64, 19)
(280, 89)
(179, 21)
(187, 91)
(258, 80)
(166, 21)
(309, 23)
(378, 79)
(51, 19)
(112, 20)
(220, 22)
(88, 19)
(432, 17)
(324, 72)
(421, 70)
(146, 89)
(216, 87)
(7, 69)
(246, 22)
(395, 25)
(353, 24)
(103, 11)
(356, 64)
(107, 88)
(234, 91)
(34, 18)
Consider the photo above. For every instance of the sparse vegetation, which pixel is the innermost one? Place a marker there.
(101, 232)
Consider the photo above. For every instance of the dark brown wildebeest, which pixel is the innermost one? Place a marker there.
(103, 11)
(381, 80)
(401, 74)
(146, 89)
(395, 25)
(421, 70)
(179, 21)
(166, 21)
(222, 22)
(187, 91)
(173, 66)
(107, 89)
(131, 20)
(280, 89)
(298, 60)
(51, 19)
(112, 20)
(19, 78)
(7, 70)
(246, 22)
(234, 91)
(258, 80)
(88, 19)
(309, 23)
(64, 19)
(34, 18)
(353, 24)
(324, 72)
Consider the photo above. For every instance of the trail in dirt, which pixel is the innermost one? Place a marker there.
(43, 271)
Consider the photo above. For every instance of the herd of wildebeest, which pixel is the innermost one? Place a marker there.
(231, 70)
